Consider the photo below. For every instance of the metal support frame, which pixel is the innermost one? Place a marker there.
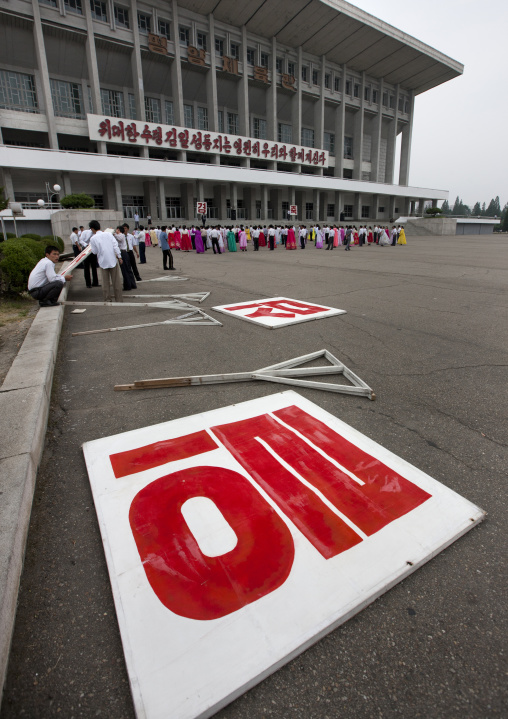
(287, 372)
(164, 279)
(197, 318)
(188, 297)
(170, 305)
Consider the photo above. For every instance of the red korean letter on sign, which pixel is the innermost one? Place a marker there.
(186, 581)
(380, 496)
(278, 308)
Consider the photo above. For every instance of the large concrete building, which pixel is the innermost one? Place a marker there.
(251, 106)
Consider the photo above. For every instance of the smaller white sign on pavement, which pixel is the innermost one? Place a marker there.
(276, 312)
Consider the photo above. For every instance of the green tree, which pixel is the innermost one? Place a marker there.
(494, 208)
(484, 209)
(77, 201)
(504, 222)
(445, 208)
(477, 210)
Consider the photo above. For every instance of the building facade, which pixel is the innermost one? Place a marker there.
(252, 107)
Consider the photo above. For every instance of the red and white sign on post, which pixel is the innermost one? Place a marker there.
(278, 311)
(202, 208)
(293, 210)
(236, 538)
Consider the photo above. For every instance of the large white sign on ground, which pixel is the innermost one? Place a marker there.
(276, 312)
(238, 537)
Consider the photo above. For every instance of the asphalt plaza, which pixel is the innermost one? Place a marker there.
(426, 328)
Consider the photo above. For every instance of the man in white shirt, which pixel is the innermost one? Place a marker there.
(215, 234)
(271, 237)
(43, 283)
(132, 247)
(136, 220)
(105, 246)
(74, 238)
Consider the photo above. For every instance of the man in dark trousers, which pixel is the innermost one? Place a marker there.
(131, 248)
(43, 283)
(167, 256)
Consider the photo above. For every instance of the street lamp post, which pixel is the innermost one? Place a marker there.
(50, 193)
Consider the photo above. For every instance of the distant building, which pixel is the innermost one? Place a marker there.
(253, 107)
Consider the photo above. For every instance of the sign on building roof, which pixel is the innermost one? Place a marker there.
(238, 537)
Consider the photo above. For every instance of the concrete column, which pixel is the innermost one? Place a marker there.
(358, 134)
(211, 80)
(200, 190)
(233, 195)
(264, 203)
(272, 98)
(296, 104)
(187, 199)
(340, 125)
(109, 193)
(392, 141)
(421, 206)
(405, 150)
(8, 185)
(66, 184)
(373, 207)
(249, 198)
(319, 109)
(300, 202)
(176, 72)
(161, 192)
(317, 205)
(276, 202)
(118, 193)
(391, 207)
(93, 71)
(376, 137)
(357, 207)
(137, 72)
(42, 66)
(219, 194)
(243, 91)
(150, 193)
(338, 205)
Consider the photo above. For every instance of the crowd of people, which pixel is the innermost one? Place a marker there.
(117, 252)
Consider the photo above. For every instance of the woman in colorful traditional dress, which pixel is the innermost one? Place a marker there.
(335, 231)
(356, 240)
(185, 242)
(319, 238)
(262, 238)
(402, 237)
(178, 238)
(171, 238)
(198, 241)
(370, 236)
(384, 238)
(231, 240)
(291, 240)
(243, 240)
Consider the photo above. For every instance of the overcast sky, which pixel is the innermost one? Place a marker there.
(460, 132)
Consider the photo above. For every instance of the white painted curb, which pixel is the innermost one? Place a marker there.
(24, 408)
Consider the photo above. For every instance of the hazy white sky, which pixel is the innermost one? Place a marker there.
(460, 133)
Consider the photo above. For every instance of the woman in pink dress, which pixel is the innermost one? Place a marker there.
(171, 238)
(335, 237)
(178, 238)
(342, 234)
(243, 240)
(291, 240)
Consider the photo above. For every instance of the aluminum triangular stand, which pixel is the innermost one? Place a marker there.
(169, 305)
(164, 279)
(196, 318)
(187, 297)
(288, 372)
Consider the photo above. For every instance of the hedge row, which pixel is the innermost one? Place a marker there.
(18, 257)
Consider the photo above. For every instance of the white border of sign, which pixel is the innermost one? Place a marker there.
(273, 323)
(186, 668)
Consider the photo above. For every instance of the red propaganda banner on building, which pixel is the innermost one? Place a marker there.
(131, 132)
(255, 527)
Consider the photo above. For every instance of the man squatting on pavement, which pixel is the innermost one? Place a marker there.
(43, 283)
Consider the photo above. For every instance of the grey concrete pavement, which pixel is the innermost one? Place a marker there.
(426, 328)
